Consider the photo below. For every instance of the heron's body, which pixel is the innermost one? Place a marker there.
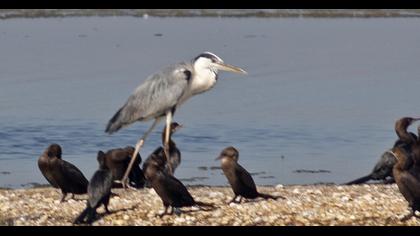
(239, 179)
(163, 92)
(99, 191)
(60, 173)
(117, 161)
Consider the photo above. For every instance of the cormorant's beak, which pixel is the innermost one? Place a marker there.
(227, 67)
(177, 128)
(218, 158)
(414, 120)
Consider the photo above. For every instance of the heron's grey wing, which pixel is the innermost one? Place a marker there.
(154, 97)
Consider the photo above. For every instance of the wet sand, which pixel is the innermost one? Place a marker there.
(369, 204)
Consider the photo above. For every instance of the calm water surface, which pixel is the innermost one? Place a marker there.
(320, 94)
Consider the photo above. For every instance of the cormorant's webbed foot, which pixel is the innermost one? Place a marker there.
(234, 200)
(407, 217)
(63, 197)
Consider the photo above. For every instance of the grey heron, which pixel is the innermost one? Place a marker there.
(163, 92)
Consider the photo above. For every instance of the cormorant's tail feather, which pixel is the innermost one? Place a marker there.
(203, 204)
(114, 123)
(81, 218)
(267, 196)
(360, 180)
(91, 216)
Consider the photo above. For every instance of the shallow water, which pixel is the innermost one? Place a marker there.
(321, 94)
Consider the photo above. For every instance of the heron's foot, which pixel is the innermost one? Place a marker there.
(126, 185)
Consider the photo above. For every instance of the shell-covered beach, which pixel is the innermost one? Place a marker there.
(368, 204)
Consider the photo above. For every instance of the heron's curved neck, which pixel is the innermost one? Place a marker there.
(204, 79)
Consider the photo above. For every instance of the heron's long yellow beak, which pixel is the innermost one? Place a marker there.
(227, 67)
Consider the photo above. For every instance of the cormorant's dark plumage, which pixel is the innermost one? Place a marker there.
(99, 191)
(60, 173)
(407, 169)
(117, 161)
(172, 192)
(174, 153)
(239, 179)
(383, 168)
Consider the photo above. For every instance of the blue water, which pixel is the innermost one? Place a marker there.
(320, 93)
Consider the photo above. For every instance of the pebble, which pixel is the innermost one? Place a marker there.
(279, 186)
(215, 194)
(304, 205)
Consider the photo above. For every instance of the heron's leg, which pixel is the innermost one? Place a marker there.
(136, 151)
(167, 135)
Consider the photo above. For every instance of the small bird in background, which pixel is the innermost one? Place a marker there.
(161, 94)
(170, 190)
(239, 179)
(60, 173)
(99, 192)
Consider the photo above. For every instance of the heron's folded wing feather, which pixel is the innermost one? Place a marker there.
(159, 93)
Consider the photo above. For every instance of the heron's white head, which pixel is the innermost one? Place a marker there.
(209, 61)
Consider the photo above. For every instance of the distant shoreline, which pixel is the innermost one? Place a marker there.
(260, 13)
